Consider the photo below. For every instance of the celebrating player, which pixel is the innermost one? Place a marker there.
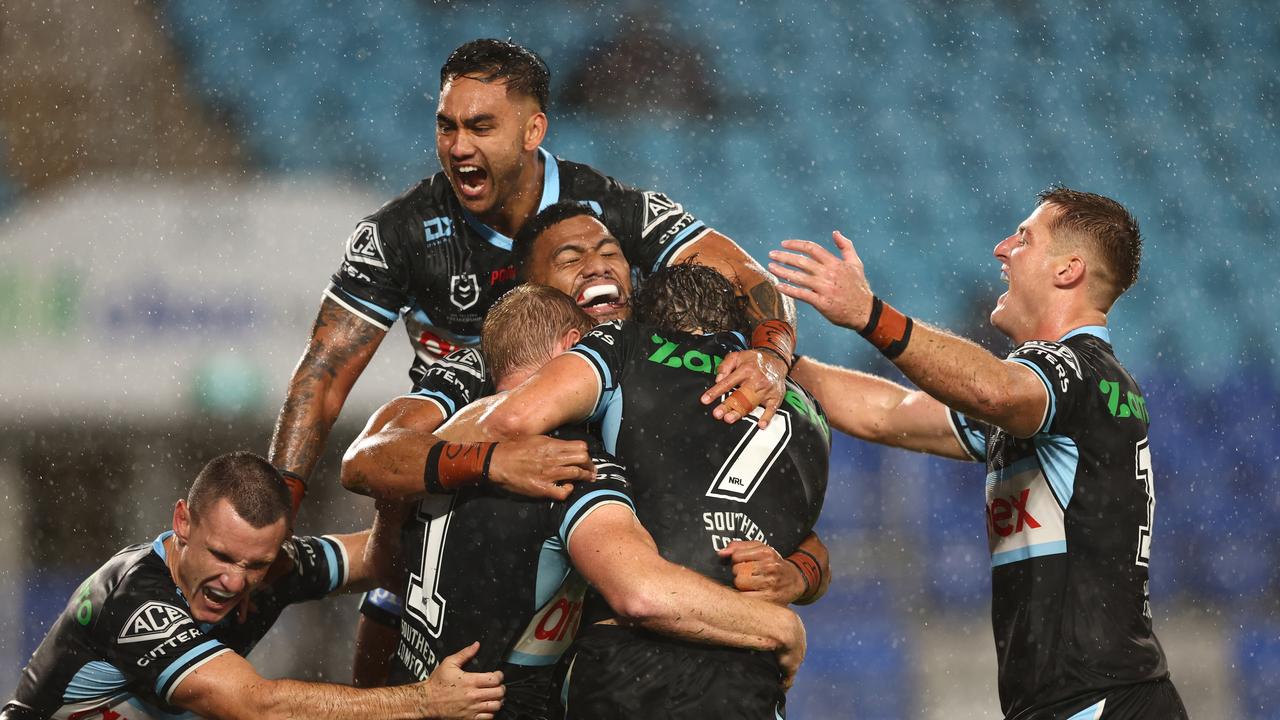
(155, 630)
(442, 250)
(485, 563)
(1062, 427)
(699, 486)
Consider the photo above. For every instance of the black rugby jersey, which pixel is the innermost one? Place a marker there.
(126, 639)
(423, 257)
(491, 566)
(1069, 519)
(700, 483)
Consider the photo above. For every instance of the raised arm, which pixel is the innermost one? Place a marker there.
(228, 688)
(878, 410)
(340, 347)
(619, 558)
(759, 373)
(958, 373)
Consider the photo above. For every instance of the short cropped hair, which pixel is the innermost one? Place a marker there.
(689, 297)
(1109, 229)
(522, 328)
(253, 486)
(525, 240)
(489, 60)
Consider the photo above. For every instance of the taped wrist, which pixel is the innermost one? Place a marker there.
(453, 465)
(777, 337)
(297, 489)
(810, 569)
(887, 329)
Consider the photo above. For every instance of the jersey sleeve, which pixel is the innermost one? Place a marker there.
(372, 280)
(1059, 369)
(319, 568)
(971, 433)
(147, 633)
(458, 379)
(610, 488)
(605, 348)
(651, 226)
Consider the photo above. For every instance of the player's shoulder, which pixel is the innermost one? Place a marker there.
(134, 591)
(418, 206)
(579, 181)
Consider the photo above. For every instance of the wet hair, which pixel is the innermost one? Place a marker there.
(525, 240)
(253, 486)
(1105, 225)
(489, 60)
(523, 327)
(689, 297)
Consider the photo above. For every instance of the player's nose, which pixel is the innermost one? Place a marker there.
(1001, 250)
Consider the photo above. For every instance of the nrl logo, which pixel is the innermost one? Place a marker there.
(152, 621)
(464, 291)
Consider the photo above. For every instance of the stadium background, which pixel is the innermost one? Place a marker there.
(177, 178)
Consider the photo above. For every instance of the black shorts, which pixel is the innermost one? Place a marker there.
(619, 673)
(1153, 700)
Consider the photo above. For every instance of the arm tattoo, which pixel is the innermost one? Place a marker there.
(338, 340)
(764, 302)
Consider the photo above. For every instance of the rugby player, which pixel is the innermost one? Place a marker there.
(698, 486)
(153, 631)
(441, 251)
(485, 563)
(1062, 427)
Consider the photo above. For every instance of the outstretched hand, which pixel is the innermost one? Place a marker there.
(541, 467)
(760, 381)
(836, 286)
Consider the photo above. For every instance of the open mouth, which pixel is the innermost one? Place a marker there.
(217, 598)
(472, 180)
(604, 299)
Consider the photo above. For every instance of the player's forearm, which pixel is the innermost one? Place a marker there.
(374, 644)
(758, 287)
(813, 546)
(291, 699)
(856, 403)
(340, 347)
(388, 465)
(964, 376)
(676, 601)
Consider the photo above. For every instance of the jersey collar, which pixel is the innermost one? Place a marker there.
(157, 545)
(550, 196)
(1099, 331)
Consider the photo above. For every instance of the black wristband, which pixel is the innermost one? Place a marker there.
(431, 473)
(807, 588)
(817, 565)
(877, 307)
(488, 458)
(290, 475)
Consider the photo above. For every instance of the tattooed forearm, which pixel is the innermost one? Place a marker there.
(340, 347)
(764, 302)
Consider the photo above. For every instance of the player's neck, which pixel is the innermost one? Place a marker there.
(1053, 327)
(513, 379)
(510, 216)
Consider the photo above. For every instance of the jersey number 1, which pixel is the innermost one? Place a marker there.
(1142, 462)
(424, 601)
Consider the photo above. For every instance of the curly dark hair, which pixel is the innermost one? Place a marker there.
(489, 60)
(690, 298)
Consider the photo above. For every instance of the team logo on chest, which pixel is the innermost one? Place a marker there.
(464, 291)
(152, 621)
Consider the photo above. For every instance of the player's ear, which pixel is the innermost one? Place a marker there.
(182, 520)
(568, 340)
(1069, 271)
(535, 129)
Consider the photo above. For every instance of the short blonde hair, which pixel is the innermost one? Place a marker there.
(522, 328)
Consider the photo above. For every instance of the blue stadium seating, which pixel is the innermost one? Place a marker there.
(922, 130)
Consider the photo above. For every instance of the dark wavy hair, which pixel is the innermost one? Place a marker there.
(489, 60)
(689, 297)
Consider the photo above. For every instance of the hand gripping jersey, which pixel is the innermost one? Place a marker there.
(1069, 519)
(700, 483)
(490, 566)
(126, 639)
(424, 257)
